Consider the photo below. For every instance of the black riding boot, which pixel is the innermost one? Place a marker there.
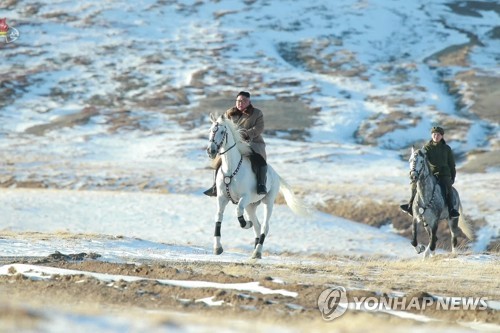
(451, 210)
(408, 208)
(212, 192)
(261, 179)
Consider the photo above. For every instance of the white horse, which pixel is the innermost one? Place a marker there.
(429, 206)
(237, 183)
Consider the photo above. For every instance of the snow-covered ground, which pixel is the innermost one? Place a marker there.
(177, 220)
(70, 55)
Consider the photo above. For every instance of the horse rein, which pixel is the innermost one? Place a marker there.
(227, 179)
(414, 170)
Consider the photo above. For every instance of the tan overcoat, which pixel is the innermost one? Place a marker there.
(252, 121)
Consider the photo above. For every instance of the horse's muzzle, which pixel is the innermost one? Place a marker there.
(413, 176)
(211, 151)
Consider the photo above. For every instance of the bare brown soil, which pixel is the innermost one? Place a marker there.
(443, 275)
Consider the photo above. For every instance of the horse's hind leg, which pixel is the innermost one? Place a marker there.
(453, 224)
(268, 210)
(251, 211)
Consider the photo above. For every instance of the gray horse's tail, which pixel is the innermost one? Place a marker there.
(464, 225)
(296, 205)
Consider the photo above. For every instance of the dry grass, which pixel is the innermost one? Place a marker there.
(494, 246)
(480, 161)
(440, 275)
(378, 214)
(18, 318)
(365, 276)
(36, 236)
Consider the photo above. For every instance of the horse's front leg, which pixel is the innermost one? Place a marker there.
(240, 209)
(432, 231)
(221, 206)
(419, 248)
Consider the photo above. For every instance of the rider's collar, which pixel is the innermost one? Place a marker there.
(248, 111)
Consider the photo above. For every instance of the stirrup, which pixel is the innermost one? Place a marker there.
(453, 213)
(211, 192)
(406, 209)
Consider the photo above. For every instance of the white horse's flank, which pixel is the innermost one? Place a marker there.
(429, 206)
(236, 182)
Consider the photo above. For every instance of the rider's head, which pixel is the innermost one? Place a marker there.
(242, 100)
(437, 133)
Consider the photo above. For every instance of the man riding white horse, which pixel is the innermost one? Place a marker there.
(442, 165)
(250, 122)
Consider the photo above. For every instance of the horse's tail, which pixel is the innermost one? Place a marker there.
(298, 206)
(464, 225)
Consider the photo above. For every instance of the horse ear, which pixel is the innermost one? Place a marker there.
(422, 153)
(412, 150)
(213, 118)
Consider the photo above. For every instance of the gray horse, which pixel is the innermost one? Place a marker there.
(429, 206)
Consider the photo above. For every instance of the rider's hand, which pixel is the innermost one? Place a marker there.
(244, 134)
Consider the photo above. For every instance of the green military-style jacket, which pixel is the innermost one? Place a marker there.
(441, 159)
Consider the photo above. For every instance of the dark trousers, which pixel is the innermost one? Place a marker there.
(259, 167)
(257, 161)
(447, 190)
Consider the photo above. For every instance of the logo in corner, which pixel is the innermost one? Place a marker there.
(8, 34)
(333, 303)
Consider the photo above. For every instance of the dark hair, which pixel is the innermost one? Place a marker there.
(244, 93)
(437, 129)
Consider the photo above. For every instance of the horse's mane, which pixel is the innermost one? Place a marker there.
(242, 145)
(423, 152)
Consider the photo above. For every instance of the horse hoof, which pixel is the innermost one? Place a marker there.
(218, 250)
(419, 248)
(257, 255)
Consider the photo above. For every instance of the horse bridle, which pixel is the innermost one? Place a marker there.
(414, 169)
(224, 138)
(227, 179)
